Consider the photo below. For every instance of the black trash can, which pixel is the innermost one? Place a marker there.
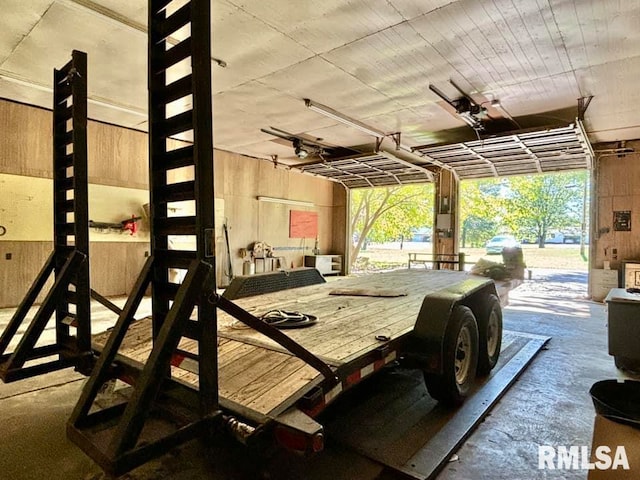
(617, 401)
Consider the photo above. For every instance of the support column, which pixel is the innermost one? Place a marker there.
(446, 214)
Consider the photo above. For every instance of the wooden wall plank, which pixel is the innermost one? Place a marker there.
(618, 189)
(114, 267)
(118, 157)
(18, 273)
(25, 151)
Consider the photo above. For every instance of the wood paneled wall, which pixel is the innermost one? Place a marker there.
(114, 267)
(240, 180)
(118, 158)
(617, 188)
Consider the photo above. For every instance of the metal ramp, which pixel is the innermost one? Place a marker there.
(69, 297)
(397, 424)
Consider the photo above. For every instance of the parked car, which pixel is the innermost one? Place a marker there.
(499, 242)
(560, 237)
(529, 240)
(421, 235)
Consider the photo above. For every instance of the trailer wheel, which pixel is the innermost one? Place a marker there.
(460, 359)
(490, 336)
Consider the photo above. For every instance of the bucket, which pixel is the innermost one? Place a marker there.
(248, 268)
(618, 401)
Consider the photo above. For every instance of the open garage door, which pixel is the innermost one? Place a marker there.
(380, 169)
(523, 153)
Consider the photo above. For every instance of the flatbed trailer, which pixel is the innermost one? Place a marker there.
(202, 362)
(363, 324)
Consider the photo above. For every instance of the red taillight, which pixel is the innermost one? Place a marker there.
(317, 443)
(299, 442)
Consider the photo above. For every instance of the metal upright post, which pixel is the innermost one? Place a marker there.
(69, 297)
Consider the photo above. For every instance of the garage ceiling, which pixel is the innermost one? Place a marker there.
(372, 60)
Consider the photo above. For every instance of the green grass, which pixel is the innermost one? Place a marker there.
(562, 257)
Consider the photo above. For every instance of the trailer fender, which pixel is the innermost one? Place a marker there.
(425, 345)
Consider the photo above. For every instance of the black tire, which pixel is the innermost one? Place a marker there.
(490, 335)
(460, 359)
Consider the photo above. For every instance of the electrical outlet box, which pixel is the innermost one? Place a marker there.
(443, 221)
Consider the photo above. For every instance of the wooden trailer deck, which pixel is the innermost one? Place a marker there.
(257, 374)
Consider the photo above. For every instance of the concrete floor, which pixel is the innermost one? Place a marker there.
(548, 405)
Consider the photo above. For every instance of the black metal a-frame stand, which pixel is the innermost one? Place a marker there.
(69, 298)
(123, 436)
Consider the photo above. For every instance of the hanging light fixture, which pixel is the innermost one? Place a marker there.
(351, 122)
(299, 149)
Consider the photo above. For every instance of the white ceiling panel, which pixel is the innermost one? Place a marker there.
(416, 122)
(126, 116)
(18, 18)
(596, 32)
(402, 58)
(116, 55)
(410, 8)
(340, 134)
(492, 43)
(26, 93)
(250, 47)
(325, 83)
(129, 11)
(322, 26)
(615, 102)
(541, 95)
(263, 107)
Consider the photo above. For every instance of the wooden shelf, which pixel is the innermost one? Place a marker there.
(326, 264)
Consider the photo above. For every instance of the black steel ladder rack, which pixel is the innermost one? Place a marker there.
(121, 437)
(69, 297)
(160, 411)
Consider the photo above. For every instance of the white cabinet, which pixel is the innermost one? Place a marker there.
(326, 264)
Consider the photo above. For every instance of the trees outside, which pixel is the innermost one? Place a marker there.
(540, 204)
(388, 213)
(481, 211)
(528, 207)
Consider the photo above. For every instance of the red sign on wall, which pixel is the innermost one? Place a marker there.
(303, 224)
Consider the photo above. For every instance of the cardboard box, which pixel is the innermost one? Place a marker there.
(614, 434)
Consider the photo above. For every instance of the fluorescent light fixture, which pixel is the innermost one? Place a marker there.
(351, 122)
(286, 201)
(25, 82)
